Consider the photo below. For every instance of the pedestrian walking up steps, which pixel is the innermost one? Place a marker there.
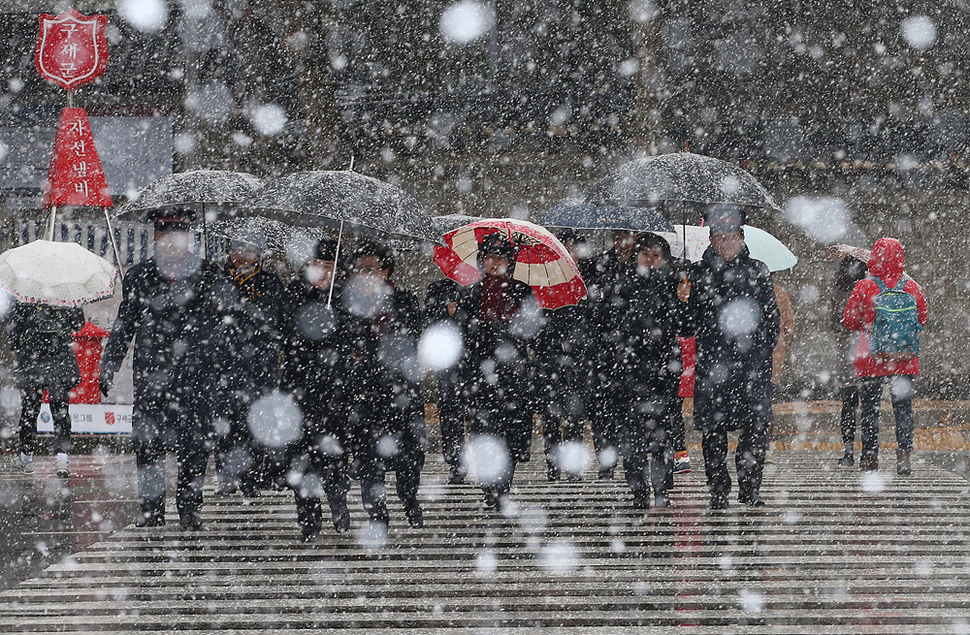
(834, 551)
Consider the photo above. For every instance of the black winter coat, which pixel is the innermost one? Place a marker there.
(257, 332)
(381, 357)
(733, 313)
(40, 337)
(494, 366)
(648, 324)
(440, 294)
(181, 333)
(313, 365)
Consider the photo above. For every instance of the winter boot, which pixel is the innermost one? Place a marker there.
(414, 514)
(902, 463)
(847, 460)
(552, 472)
(868, 463)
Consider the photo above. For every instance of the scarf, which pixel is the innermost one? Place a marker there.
(245, 278)
(495, 300)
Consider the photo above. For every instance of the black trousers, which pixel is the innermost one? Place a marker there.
(30, 403)
(239, 457)
(156, 430)
(451, 416)
(607, 417)
(500, 428)
(749, 459)
(850, 400)
(322, 467)
(648, 455)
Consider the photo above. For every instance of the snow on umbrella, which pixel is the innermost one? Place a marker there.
(842, 251)
(333, 199)
(667, 180)
(761, 245)
(214, 193)
(541, 261)
(449, 222)
(580, 214)
(57, 274)
(278, 235)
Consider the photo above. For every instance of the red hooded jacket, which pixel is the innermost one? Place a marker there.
(886, 262)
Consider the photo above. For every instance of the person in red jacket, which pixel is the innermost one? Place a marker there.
(886, 263)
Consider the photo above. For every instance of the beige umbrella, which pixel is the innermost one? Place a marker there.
(56, 274)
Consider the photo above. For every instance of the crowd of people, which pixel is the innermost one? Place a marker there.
(221, 350)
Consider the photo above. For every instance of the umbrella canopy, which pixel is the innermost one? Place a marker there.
(580, 214)
(449, 222)
(541, 261)
(214, 193)
(58, 274)
(841, 251)
(762, 245)
(668, 180)
(334, 198)
(277, 235)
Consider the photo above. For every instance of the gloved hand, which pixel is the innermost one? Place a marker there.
(106, 383)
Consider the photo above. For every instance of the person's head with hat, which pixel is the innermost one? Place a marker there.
(727, 229)
(245, 249)
(372, 265)
(496, 256)
(173, 242)
(322, 266)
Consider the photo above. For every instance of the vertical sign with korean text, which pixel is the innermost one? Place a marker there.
(75, 176)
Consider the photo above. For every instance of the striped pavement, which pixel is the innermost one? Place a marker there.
(834, 551)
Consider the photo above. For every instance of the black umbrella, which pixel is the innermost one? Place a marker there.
(212, 194)
(449, 222)
(277, 236)
(333, 199)
(580, 214)
(678, 182)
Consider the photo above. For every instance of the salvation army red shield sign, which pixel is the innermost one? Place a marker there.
(71, 48)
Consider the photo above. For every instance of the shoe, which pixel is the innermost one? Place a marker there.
(341, 521)
(552, 474)
(719, 502)
(225, 489)
(751, 500)
(574, 478)
(249, 490)
(414, 514)
(27, 467)
(606, 474)
(491, 499)
(869, 463)
(191, 523)
(681, 463)
(149, 520)
(62, 468)
(903, 467)
(846, 461)
(311, 537)
(641, 502)
(456, 475)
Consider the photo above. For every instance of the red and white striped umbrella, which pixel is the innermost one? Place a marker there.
(541, 261)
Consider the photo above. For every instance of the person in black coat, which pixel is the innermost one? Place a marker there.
(253, 363)
(440, 306)
(386, 408)
(313, 372)
(40, 336)
(494, 316)
(177, 307)
(733, 314)
(562, 371)
(606, 389)
(649, 322)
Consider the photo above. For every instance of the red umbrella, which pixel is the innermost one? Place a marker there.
(541, 261)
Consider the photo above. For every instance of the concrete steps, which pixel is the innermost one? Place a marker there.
(834, 551)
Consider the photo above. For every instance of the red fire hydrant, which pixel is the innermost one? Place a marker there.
(88, 344)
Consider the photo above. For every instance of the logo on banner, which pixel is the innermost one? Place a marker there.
(71, 48)
(109, 417)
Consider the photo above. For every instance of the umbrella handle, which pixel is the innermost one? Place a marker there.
(114, 247)
(50, 225)
(336, 264)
